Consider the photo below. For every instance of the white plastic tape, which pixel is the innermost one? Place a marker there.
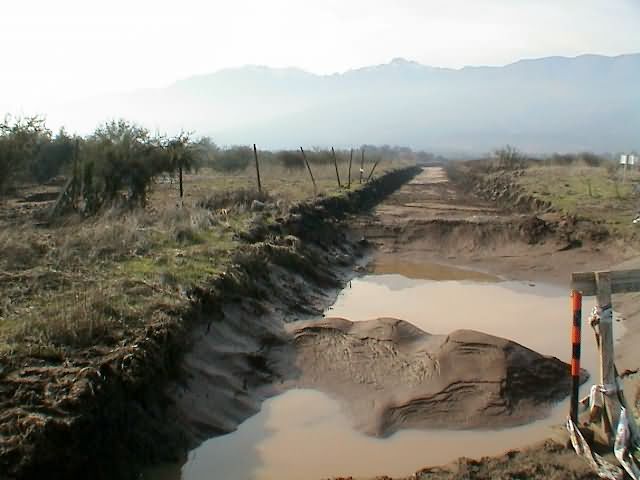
(603, 468)
(622, 444)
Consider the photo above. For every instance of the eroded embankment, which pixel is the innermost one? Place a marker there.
(451, 215)
(110, 413)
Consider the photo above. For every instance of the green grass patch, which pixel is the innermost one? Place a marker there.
(596, 193)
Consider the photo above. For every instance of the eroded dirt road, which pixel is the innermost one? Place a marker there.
(432, 220)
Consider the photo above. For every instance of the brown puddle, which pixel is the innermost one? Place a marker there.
(428, 271)
(303, 434)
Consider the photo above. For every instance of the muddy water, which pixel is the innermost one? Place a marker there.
(428, 271)
(303, 434)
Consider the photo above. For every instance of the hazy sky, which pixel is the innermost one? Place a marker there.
(56, 50)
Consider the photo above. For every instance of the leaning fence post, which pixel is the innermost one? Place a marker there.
(255, 155)
(180, 178)
(313, 180)
(335, 163)
(576, 312)
(350, 162)
(373, 170)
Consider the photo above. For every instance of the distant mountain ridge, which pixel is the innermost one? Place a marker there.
(590, 102)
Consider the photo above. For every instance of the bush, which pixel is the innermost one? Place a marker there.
(232, 159)
(290, 159)
(122, 157)
(241, 198)
(20, 142)
(509, 158)
(585, 158)
(52, 158)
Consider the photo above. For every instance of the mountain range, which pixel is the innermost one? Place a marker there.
(585, 103)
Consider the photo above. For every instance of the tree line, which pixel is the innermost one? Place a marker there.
(119, 161)
(117, 157)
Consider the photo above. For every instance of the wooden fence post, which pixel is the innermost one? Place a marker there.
(335, 163)
(255, 155)
(362, 164)
(373, 170)
(313, 180)
(607, 366)
(350, 162)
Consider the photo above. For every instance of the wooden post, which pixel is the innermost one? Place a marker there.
(350, 162)
(313, 180)
(335, 163)
(576, 312)
(255, 155)
(603, 285)
(361, 164)
(372, 170)
(607, 366)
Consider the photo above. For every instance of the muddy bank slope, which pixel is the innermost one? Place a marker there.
(548, 460)
(391, 375)
(106, 413)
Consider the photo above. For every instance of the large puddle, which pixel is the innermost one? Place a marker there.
(303, 434)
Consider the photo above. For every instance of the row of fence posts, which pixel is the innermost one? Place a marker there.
(72, 190)
(335, 163)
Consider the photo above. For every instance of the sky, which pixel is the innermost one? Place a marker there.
(63, 50)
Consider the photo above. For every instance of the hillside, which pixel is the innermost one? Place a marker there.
(590, 102)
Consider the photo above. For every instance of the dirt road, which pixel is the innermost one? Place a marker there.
(430, 219)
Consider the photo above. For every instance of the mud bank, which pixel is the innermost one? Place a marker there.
(113, 410)
(548, 460)
(392, 375)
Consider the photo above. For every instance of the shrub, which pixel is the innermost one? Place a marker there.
(290, 159)
(232, 159)
(20, 142)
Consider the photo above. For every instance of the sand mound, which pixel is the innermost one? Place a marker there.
(390, 374)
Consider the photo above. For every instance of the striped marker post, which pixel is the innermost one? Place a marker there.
(576, 311)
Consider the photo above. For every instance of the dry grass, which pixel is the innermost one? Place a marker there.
(92, 281)
(593, 192)
(288, 185)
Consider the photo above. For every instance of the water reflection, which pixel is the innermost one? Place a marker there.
(303, 434)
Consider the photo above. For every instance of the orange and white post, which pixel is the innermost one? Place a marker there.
(576, 338)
